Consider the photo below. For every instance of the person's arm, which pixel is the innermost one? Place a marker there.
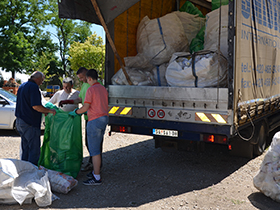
(77, 100)
(44, 110)
(72, 101)
(83, 109)
(54, 98)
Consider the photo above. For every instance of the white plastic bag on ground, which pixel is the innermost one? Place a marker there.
(267, 180)
(60, 182)
(211, 38)
(20, 181)
(209, 68)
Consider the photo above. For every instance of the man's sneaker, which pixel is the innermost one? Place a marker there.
(87, 167)
(90, 175)
(92, 181)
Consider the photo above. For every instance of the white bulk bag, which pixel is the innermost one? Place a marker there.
(211, 38)
(158, 39)
(191, 23)
(210, 70)
(20, 181)
(159, 75)
(267, 180)
(137, 77)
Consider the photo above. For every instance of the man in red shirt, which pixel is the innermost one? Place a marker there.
(96, 106)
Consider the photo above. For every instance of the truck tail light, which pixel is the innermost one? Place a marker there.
(215, 138)
(122, 129)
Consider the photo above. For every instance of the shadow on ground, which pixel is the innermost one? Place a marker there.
(260, 201)
(9, 133)
(139, 174)
(13, 133)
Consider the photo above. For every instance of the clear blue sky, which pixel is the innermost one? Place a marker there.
(94, 28)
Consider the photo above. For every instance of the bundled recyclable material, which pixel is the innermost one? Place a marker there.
(138, 62)
(211, 39)
(158, 39)
(155, 77)
(60, 182)
(21, 181)
(197, 43)
(191, 24)
(210, 69)
(267, 180)
(159, 75)
(137, 77)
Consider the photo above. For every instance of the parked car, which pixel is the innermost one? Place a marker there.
(7, 110)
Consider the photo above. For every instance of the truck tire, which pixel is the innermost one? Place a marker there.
(241, 148)
(260, 137)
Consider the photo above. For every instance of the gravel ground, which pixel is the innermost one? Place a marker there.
(138, 176)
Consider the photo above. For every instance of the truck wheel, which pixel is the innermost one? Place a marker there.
(260, 138)
(241, 148)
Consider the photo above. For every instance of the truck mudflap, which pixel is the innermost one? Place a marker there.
(176, 130)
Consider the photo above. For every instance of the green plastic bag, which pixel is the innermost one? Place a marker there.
(191, 9)
(197, 43)
(62, 146)
(216, 3)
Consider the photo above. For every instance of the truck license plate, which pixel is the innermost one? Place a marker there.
(161, 132)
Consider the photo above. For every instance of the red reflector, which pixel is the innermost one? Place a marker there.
(215, 138)
(122, 129)
(229, 147)
(225, 140)
(211, 138)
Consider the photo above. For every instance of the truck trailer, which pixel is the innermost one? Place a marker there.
(240, 114)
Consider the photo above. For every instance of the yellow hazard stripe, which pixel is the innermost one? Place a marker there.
(207, 117)
(218, 118)
(113, 109)
(203, 117)
(125, 110)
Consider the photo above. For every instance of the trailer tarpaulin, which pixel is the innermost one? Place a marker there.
(257, 75)
(84, 10)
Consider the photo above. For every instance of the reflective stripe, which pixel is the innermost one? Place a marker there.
(203, 117)
(207, 117)
(114, 109)
(125, 110)
(219, 118)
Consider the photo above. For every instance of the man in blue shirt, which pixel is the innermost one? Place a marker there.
(29, 111)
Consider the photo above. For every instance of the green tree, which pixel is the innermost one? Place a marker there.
(90, 54)
(20, 23)
(67, 32)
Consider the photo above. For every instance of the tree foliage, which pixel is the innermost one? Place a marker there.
(26, 42)
(90, 54)
(20, 23)
(67, 32)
